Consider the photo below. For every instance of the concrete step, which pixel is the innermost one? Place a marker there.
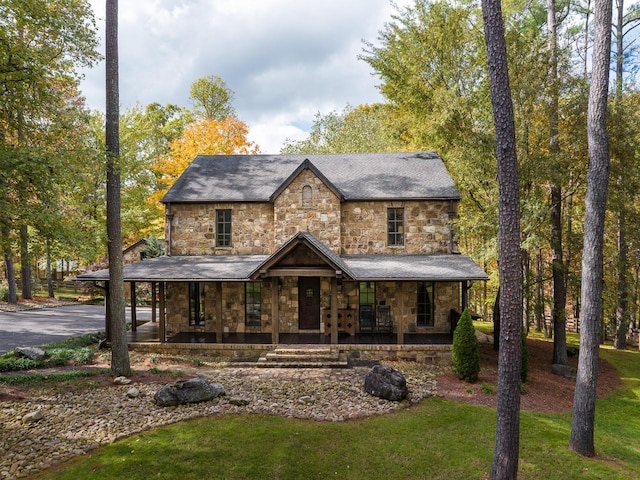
(300, 357)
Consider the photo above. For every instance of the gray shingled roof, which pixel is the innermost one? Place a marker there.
(239, 268)
(414, 267)
(358, 176)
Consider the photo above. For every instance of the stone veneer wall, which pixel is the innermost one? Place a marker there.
(233, 308)
(193, 229)
(393, 294)
(321, 218)
(426, 224)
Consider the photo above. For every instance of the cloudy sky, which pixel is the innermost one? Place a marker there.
(285, 60)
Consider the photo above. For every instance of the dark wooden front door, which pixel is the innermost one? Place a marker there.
(308, 303)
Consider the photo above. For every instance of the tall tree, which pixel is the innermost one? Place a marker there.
(557, 263)
(212, 98)
(120, 364)
(505, 456)
(584, 403)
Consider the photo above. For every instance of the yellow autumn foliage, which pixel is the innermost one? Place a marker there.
(202, 137)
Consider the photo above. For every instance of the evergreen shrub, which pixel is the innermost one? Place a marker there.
(465, 354)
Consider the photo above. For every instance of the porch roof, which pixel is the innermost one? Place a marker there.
(229, 268)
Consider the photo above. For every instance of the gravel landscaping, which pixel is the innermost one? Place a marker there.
(76, 422)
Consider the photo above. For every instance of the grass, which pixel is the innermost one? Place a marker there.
(437, 439)
(74, 350)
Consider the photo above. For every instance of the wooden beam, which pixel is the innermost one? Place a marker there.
(275, 312)
(300, 272)
(219, 325)
(154, 300)
(162, 327)
(107, 312)
(334, 310)
(134, 313)
(400, 316)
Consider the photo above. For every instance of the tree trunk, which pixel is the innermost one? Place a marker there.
(582, 424)
(120, 364)
(50, 291)
(496, 322)
(505, 456)
(622, 309)
(25, 263)
(9, 269)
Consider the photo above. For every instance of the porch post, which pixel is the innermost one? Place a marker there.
(162, 326)
(275, 312)
(465, 294)
(400, 317)
(153, 302)
(134, 316)
(334, 310)
(219, 326)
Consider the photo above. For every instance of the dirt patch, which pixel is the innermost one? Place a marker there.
(545, 392)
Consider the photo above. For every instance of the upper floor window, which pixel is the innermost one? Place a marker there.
(196, 303)
(425, 304)
(307, 197)
(223, 228)
(395, 226)
(253, 304)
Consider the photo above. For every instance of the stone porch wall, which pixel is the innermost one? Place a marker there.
(320, 217)
(396, 295)
(364, 227)
(193, 229)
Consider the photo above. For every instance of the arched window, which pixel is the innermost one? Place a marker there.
(307, 197)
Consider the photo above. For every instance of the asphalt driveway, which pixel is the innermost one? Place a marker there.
(31, 328)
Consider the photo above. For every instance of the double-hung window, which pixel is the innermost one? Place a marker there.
(196, 303)
(223, 228)
(425, 304)
(395, 226)
(253, 304)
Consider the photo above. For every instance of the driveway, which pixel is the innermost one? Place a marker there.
(29, 328)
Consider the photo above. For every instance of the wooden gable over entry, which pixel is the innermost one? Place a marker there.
(303, 256)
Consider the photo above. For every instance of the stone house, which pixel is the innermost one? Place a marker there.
(341, 249)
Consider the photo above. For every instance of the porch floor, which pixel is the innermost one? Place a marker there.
(149, 333)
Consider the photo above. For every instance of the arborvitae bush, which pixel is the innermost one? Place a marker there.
(465, 355)
(524, 354)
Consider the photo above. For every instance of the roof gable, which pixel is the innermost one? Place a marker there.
(306, 165)
(315, 246)
(354, 176)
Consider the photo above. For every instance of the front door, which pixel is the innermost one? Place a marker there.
(308, 303)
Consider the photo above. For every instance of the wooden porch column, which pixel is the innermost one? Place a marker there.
(153, 302)
(275, 311)
(162, 327)
(134, 314)
(219, 326)
(334, 310)
(465, 295)
(400, 317)
(107, 312)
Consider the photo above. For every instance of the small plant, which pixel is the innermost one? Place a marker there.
(469, 390)
(153, 358)
(155, 370)
(465, 355)
(487, 388)
(10, 362)
(197, 362)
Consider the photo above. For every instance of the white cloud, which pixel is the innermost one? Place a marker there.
(286, 60)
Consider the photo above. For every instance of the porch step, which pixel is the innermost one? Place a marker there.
(304, 356)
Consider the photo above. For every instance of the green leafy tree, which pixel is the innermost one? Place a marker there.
(211, 98)
(465, 356)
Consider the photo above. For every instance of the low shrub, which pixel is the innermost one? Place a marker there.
(10, 362)
(465, 355)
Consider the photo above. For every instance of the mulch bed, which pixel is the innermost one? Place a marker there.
(545, 392)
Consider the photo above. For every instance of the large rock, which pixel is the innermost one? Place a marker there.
(385, 382)
(564, 371)
(34, 353)
(193, 390)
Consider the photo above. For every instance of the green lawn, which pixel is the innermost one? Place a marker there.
(437, 439)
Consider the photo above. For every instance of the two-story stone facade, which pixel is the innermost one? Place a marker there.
(273, 248)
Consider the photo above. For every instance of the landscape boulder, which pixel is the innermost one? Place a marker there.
(34, 353)
(193, 390)
(564, 371)
(385, 382)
